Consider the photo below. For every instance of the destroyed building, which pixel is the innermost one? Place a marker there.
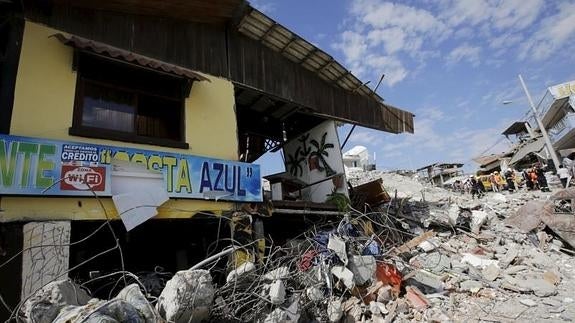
(165, 106)
(557, 113)
(492, 163)
(438, 173)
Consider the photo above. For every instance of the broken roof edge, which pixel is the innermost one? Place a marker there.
(113, 52)
(260, 27)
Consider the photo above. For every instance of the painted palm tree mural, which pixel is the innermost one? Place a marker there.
(312, 152)
(294, 162)
(305, 149)
(320, 153)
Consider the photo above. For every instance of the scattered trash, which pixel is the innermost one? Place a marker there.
(419, 254)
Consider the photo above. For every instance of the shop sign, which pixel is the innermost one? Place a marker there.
(32, 166)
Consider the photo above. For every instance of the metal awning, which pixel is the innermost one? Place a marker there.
(256, 25)
(532, 147)
(127, 56)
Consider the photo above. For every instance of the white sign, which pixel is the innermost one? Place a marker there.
(563, 90)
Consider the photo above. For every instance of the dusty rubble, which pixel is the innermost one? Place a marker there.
(427, 255)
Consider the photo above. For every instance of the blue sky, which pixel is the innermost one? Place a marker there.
(451, 62)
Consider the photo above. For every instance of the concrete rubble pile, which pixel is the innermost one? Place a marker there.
(436, 256)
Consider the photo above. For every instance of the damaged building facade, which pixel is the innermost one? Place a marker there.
(164, 106)
(437, 174)
(557, 113)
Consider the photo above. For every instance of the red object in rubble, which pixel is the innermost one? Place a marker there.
(388, 274)
(306, 260)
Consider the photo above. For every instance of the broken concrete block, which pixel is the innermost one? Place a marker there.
(490, 272)
(384, 294)
(477, 261)
(416, 298)
(337, 244)
(540, 287)
(551, 277)
(134, 296)
(528, 302)
(334, 310)
(470, 286)
(551, 302)
(277, 292)
(498, 197)
(46, 303)
(187, 297)
(478, 219)
(453, 214)
(429, 279)
(344, 274)
(511, 254)
(293, 310)
(314, 293)
(242, 269)
(276, 316)
(458, 266)
(435, 262)
(363, 268)
(377, 318)
(112, 311)
(515, 269)
(377, 308)
(429, 245)
(527, 217)
(278, 273)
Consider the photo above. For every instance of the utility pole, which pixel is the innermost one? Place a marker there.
(541, 126)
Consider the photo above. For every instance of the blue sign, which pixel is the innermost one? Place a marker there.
(31, 166)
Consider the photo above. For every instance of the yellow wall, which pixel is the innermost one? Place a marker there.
(43, 108)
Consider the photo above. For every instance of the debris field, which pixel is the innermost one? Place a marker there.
(425, 254)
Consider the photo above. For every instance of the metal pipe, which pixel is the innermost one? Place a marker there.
(347, 137)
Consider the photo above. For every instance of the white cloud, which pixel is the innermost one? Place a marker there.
(378, 14)
(556, 33)
(352, 45)
(464, 52)
(498, 14)
(505, 41)
(366, 137)
(264, 6)
(472, 12)
(389, 65)
(516, 14)
(432, 113)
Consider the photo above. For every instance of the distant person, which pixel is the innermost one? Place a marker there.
(541, 180)
(498, 179)
(494, 183)
(476, 187)
(533, 177)
(563, 174)
(527, 178)
(510, 178)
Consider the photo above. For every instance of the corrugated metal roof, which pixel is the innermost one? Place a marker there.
(117, 53)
